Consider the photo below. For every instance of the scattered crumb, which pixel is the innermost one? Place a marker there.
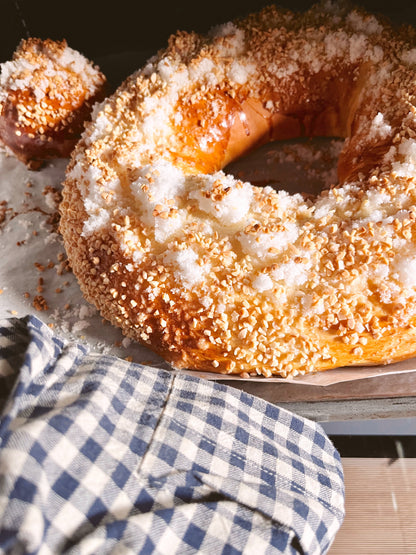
(39, 303)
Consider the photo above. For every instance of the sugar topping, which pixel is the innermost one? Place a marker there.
(35, 63)
(266, 243)
(156, 188)
(409, 56)
(223, 197)
(188, 268)
(405, 166)
(380, 129)
(406, 269)
(367, 24)
(230, 40)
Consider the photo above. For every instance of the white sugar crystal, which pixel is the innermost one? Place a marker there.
(268, 244)
(157, 109)
(204, 70)
(365, 24)
(373, 206)
(292, 273)
(166, 68)
(405, 267)
(75, 61)
(336, 44)
(408, 149)
(156, 185)
(310, 306)
(399, 243)
(17, 75)
(13, 68)
(352, 48)
(235, 200)
(377, 198)
(232, 43)
(381, 271)
(409, 56)
(240, 73)
(166, 227)
(406, 167)
(180, 79)
(390, 155)
(156, 123)
(288, 204)
(262, 282)
(86, 312)
(358, 47)
(376, 54)
(100, 128)
(224, 29)
(379, 128)
(99, 218)
(93, 202)
(186, 267)
(206, 301)
(323, 207)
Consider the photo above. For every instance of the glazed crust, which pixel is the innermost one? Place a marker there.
(216, 274)
(47, 92)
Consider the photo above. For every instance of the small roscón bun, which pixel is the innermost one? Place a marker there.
(46, 94)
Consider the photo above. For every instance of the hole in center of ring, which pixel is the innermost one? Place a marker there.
(306, 166)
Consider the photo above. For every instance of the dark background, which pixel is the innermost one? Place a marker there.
(101, 28)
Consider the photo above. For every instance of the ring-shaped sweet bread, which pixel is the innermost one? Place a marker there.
(216, 274)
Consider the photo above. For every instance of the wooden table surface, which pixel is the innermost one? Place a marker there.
(390, 396)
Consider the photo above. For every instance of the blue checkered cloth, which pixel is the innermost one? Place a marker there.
(99, 455)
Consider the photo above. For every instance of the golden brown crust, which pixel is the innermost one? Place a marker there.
(46, 94)
(216, 274)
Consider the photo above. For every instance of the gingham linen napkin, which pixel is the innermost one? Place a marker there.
(99, 455)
